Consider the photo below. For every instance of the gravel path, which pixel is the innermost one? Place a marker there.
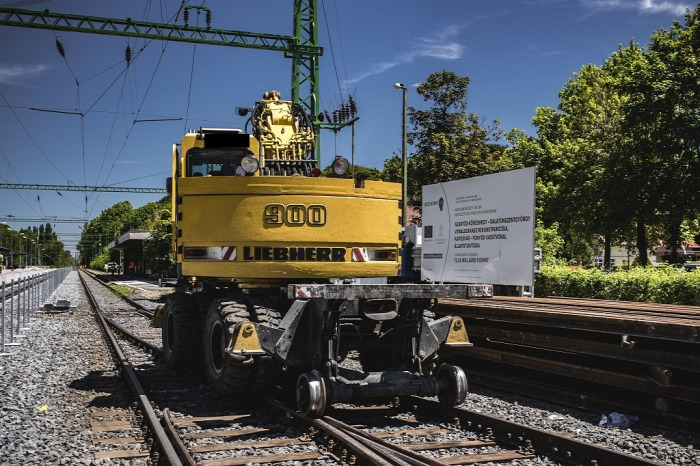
(44, 418)
(45, 395)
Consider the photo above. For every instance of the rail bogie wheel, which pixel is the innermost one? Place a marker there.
(236, 374)
(311, 394)
(182, 332)
(454, 385)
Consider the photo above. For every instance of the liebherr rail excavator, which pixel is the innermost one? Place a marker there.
(274, 262)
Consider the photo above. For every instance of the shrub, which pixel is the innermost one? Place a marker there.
(664, 284)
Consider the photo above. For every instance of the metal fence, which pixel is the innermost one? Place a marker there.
(20, 298)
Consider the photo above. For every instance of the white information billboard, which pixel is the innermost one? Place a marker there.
(480, 230)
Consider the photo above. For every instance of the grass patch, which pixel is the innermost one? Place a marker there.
(123, 290)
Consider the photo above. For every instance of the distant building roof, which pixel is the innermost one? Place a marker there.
(130, 239)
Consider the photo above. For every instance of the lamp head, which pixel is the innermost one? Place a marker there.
(399, 86)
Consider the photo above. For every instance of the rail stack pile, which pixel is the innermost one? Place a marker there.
(637, 358)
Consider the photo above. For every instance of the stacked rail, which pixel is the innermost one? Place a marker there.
(637, 358)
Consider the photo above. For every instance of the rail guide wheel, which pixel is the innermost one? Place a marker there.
(454, 385)
(311, 394)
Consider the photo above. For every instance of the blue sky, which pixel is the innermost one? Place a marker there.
(517, 53)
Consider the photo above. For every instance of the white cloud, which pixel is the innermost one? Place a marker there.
(18, 74)
(440, 45)
(664, 7)
(643, 6)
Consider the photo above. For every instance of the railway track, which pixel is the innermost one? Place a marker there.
(636, 358)
(191, 424)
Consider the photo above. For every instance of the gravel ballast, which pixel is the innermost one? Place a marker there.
(45, 398)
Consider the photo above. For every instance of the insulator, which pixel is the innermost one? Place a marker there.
(186, 16)
(127, 55)
(60, 48)
(353, 106)
(345, 112)
(335, 116)
(328, 117)
(208, 19)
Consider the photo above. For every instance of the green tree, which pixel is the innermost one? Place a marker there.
(550, 241)
(361, 172)
(662, 116)
(117, 220)
(98, 233)
(594, 192)
(449, 142)
(157, 249)
(583, 155)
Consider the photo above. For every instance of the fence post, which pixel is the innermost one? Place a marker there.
(27, 294)
(22, 296)
(12, 314)
(2, 323)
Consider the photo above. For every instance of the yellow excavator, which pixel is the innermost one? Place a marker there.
(284, 271)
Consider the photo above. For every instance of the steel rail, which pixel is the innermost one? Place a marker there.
(356, 447)
(135, 338)
(150, 416)
(555, 446)
(388, 449)
(662, 308)
(176, 439)
(142, 310)
(676, 330)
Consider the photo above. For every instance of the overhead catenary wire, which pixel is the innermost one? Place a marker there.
(62, 52)
(155, 117)
(342, 50)
(34, 141)
(16, 191)
(330, 44)
(133, 58)
(189, 90)
(138, 178)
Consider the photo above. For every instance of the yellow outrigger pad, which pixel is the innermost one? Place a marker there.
(245, 340)
(457, 335)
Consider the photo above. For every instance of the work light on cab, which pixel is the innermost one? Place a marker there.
(340, 165)
(250, 164)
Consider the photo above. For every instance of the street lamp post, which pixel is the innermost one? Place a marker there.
(12, 250)
(2, 227)
(20, 250)
(404, 163)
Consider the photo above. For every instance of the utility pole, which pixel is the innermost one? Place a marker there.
(302, 47)
(404, 162)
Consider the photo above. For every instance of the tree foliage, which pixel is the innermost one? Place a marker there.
(360, 171)
(32, 246)
(619, 157)
(117, 220)
(449, 143)
(663, 120)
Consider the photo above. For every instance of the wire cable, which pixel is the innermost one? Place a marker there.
(330, 43)
(342, 51)
(31, 138)
(189, 90)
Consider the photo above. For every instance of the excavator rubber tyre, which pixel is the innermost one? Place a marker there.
(311, 394)
(223, 372)
(454, 381)
(181, 332)
(235, 374)
(263, 309)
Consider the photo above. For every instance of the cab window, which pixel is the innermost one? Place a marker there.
(215, 162)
